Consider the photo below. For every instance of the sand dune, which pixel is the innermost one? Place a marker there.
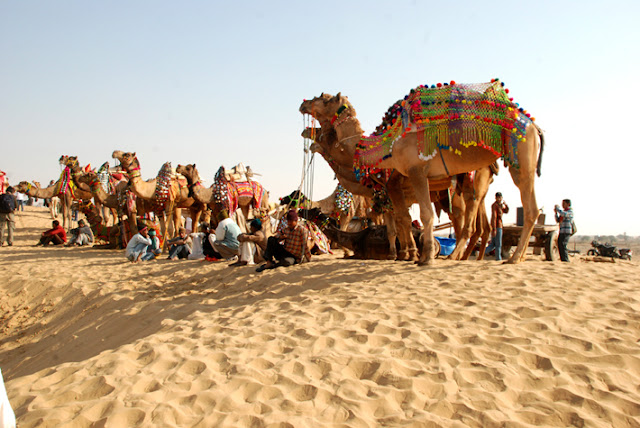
(89, 340)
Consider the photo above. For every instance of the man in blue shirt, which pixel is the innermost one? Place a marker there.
(564, 216)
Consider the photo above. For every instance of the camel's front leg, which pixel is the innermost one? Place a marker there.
(408, 250)
(418, 177)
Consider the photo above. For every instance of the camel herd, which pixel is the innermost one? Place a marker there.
(404, 168)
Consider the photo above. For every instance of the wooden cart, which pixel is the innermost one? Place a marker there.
(544, 236)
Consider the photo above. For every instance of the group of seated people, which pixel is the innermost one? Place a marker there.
(81, 235)
(226, 243)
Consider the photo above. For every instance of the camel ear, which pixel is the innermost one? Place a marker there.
(133, 154)
(338, 95)
(194, 165)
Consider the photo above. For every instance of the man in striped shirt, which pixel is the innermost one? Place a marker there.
(564, 216)
(293, 250)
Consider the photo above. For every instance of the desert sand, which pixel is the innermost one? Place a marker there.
(90, 340)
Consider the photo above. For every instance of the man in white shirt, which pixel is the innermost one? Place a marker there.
(137, 245)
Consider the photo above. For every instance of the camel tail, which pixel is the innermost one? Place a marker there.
(539, 166)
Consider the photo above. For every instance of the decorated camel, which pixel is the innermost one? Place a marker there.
(122, 201)
(459, 196)
(73, 165)
(54, 203)
(443, 131)
(166, 193)
(62, 188)
(229, 191)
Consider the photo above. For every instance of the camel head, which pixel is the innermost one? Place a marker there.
(316, 148)
(89, 178)
(128, 160)
(189, 172)
(70, 161)
(23, 187)
(324, 107)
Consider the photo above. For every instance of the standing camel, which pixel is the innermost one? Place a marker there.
(465, 201)
(206, 196)
(178, 197)
(52, 191)
(429, 145)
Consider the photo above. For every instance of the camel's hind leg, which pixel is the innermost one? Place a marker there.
(474, 195)
(483, 229)
(392, 233)
(420, 185)
(524, 178)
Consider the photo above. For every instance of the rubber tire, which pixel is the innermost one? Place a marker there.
(551, 252)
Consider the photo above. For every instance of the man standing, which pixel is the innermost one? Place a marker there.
(293, 250)
(564, 216)
(7, 208)
(498, 208)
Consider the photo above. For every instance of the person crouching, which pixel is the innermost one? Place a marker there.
(56, 235)
(137, 245)
(293, 250)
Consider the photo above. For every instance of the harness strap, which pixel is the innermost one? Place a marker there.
(443, 162)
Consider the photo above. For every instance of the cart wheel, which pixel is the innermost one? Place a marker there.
(436, 248)
(551, 251)
(506, 252)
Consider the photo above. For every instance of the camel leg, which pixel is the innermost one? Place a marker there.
(524, 178)
(482, 229)
(392, 233)
(195, 220)
(344, 222)
(408, 250)
(420, 183)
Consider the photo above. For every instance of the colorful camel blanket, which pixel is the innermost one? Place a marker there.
(450, 117)
(65, 184)
(227, 193)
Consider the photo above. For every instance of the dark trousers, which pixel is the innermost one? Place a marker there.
(54, 239)
(182, 251)
(563, 241)
(275, 250)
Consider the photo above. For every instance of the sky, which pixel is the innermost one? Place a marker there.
(219, 83)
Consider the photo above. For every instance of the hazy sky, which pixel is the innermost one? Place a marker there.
(218, 83)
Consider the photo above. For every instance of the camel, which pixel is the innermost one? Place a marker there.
(417, 153)
(118, 202)
(421, 152)
(54, 203)
(177, 199)
(206, 196)
(52, 191)
(77, 171)
(463, 215)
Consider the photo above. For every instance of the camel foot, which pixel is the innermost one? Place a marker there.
(424, 262)
(392, 256)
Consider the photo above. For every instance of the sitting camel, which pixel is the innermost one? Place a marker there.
(227, 192)
(426, 142)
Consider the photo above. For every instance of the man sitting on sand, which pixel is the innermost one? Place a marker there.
(180, 245)
(138, 244)
(81, 235)
(252, 245)
(154, 249)
(226, 243)
(56, 235)
(293, 250)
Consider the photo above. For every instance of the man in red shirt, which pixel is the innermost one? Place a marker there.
(293, 250)
(56, 235)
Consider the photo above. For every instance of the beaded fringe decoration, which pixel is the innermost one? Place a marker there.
(65, 184)
(163, 187)
(451, 117)
(343, 201)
